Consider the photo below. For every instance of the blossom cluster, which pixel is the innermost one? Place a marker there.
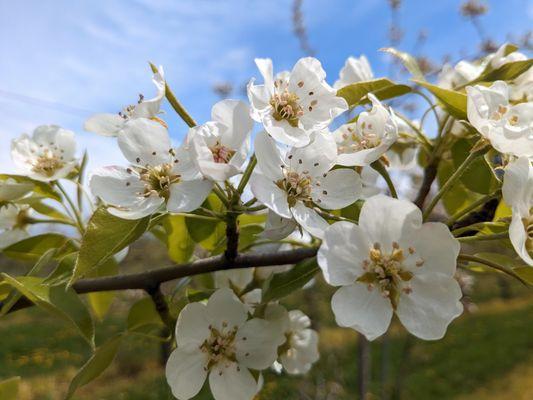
(306, 168)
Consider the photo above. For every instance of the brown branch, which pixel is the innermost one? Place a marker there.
(430, 173)
(151, 279)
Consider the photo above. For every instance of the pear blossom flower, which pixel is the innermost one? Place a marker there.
(508, 128)
(277, 227)
(11, 190)
(392, 263)
(159, 175)
(292, 105)
(47, 156)
(13, 224)
(517, 192)
(217, 340)
(354, 70)
(363, 142)
(402, 153)
(300, 351)
(107, 124)
(220, 147)
(294, 184)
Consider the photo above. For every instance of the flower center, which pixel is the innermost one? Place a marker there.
(157, 180)
(221, 153)
(528, 226)
(387, 272)
(498, 114)
(357, 141)
(297, 186)
(47, 163)
(220, 346)
(286, 105)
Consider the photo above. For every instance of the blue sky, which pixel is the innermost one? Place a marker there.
(64, 60)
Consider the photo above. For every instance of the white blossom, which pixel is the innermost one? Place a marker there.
(522, 87)
(508, 128)
(293, 185)
(218, 340)
(402, 153)
(293, 105)
(300, 351)
(111, 124)
(13, 224)
(354, 70)
(46, 156)
(392, 263)
(220, 147)
(517, 192)
(363, 142)
(159, 174)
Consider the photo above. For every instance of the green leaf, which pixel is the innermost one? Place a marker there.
(105, 236)
(506, 72)
(458, 196)
(407, 60)
(479, 177)
(101, 301)
(382, 88)
(57, 300)
(281, 285)
(34, 247)
(248, 235)
(453, 102)
(63, 272)
(208, 234)
(526, 273)
(9, 388)
(194, 295)
(143, 317)
(100, 360)
(179, 243)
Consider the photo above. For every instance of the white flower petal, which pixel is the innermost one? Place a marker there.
(518, 237)
(266, 191)
(341, 255)
(192, 327)
(366, 311)
(284, 132)
(269, 159)
(433, 303)
(309, 219)
(385, 219)
(104, 124)
(238, 278)
(354, 70)
(302, 354)
(12, 236)
(316, 158)
(186, 371)
(257, 342)
(235, 115)
(338, 189)
(225, 310)
(116, 186)
(145, 142)
(276, 227)
(187, 196)
(232, 382)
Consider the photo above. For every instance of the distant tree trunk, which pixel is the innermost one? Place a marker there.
(505, 288)
(385, 366)
(363, 366)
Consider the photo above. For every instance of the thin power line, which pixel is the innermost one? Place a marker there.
(64, 108)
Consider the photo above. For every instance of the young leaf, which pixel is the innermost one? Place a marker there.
(9, 388)
(382, 88)
(281, 285)
(454, 102)
(179, 243)
(408, 61)
(143, 317)
(105, 236)
(40, 188)
(34, 247)
(101, 301)
(57, 300)
(100, 360)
